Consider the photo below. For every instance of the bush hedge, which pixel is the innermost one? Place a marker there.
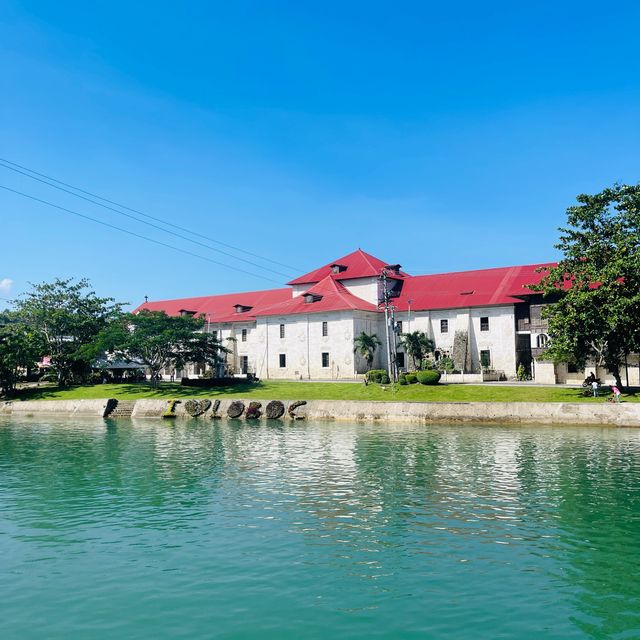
(376, 375)
(428, 377)
(402, 379)
(411, 378)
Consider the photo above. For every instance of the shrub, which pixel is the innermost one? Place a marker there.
(384, 378)
(375, 375)
(445, 364)
(411, 378)
(402, 379)
(428, 377)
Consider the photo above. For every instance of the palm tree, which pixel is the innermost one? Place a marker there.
(365, 346)
(417, 344)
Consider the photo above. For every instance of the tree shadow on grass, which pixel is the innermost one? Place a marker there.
(133, 391)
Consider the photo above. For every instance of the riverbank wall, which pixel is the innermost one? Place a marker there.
(525, 413)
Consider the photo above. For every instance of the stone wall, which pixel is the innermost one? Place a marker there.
(518, 413)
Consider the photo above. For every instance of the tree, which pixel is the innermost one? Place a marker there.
(160, 341)
(597, 281)
(20, 349)
(67, 316)
(417, 344)
(365, 345)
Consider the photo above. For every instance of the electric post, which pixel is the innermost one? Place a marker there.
(386, 323)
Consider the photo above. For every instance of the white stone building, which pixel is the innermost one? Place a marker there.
(487, 321)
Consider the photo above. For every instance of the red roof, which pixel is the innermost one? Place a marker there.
(221, 308)
(358, 265)
(329, 294)
(486, 287)
(480, 288)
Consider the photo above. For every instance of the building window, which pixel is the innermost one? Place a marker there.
(400, 360)
(325, 359)
(572, 368)
(541, 341)
(444, 326)
(484, 324)
(283, 360)
(244, 335)
(244, 364)
(282, 331)
(214, 334)
(485, 359)
(399, 327)
(325, 329)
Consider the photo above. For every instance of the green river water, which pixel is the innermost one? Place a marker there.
(144, 529)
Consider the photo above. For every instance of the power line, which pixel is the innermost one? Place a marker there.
(149, 224)
(141, 213)
(132, 233)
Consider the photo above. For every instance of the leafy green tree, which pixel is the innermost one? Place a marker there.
(161, 341)
(597, 281)
(67, 316)
(445, 364)
(20, 348)
(417, 344)
(365, 345)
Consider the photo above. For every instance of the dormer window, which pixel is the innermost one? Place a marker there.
(242, 308)
(394, 268)
(467, 293)
(310, 298)
(187, 312)
(338, 268)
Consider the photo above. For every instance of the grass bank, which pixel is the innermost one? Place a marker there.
(283, 390)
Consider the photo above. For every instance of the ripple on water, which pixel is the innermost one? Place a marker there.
(142, 529)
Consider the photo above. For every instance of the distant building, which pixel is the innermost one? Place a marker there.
(488, 321)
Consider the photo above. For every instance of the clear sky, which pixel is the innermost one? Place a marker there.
(444, 136)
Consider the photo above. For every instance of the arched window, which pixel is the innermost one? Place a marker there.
(542, 341)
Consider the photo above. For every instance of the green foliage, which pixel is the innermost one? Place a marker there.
(411, 378)
(596, 285)
(428, 377)
(521, 373)
(161, 341)
(66, 316)
(375, 375)
(402, 379)
(445, 365)
(365, 345)
(417, 345)
(20, 348)
(171, 409)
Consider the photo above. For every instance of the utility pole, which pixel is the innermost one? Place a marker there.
(394, 343)
(385, 289)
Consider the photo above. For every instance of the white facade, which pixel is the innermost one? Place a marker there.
(307, 332)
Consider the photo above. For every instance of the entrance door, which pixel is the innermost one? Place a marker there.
(244, 364)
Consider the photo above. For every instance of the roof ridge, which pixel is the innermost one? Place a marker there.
(455, 273)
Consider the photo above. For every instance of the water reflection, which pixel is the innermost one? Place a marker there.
(384, 518)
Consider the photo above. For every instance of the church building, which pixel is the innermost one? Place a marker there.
(487, 321)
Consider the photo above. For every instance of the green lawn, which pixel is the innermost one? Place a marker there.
(282, 390)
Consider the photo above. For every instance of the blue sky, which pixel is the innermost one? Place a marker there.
(444, 136)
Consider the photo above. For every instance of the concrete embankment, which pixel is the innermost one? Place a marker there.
(604, 414)
(100, 407)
